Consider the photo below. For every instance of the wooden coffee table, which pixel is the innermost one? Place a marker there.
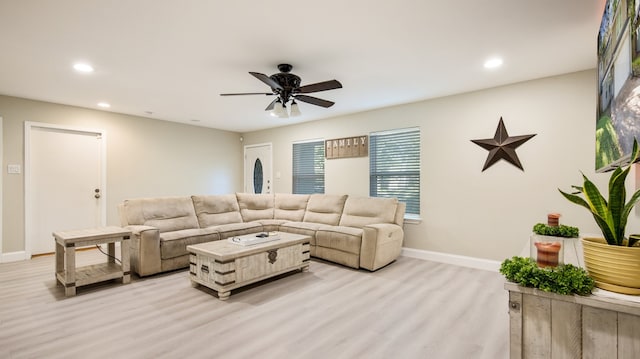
(224, 266)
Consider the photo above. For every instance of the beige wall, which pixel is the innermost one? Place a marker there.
(145, 157)
(466, 211)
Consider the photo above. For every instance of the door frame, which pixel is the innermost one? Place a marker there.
(28, 127)
(244, 169)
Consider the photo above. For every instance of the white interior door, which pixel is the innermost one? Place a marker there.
(65, 186)
(257, 169)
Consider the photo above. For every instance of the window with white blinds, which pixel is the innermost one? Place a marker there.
(308, 167)
(394, 165)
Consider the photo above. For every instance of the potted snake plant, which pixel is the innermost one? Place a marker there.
(613, 261)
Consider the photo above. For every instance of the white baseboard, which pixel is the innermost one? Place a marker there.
(477, 263)
(13, 257)
(22, 255)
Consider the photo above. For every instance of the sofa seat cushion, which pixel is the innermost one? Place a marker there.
(174, 244)
(214, 210)
(346, 239)
(237, 229)
(304, 228)
(269, 225)
(255, 206)
(271, 222)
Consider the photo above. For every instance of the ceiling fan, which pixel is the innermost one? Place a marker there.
(286, 86)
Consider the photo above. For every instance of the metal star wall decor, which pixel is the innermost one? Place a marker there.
(502, 147)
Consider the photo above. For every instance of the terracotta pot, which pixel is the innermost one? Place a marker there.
(614, 268)
(537, 243)
(548, 254)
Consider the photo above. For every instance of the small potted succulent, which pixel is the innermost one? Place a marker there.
(548, 241)
(545, 268)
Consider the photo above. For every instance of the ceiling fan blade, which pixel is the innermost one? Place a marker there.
(270, 107)
(314, 100)
(267, 80)
(247, 93)
(320, 86)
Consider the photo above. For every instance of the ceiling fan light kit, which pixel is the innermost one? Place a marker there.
(286, 86)
(279, 110)
(295, 110)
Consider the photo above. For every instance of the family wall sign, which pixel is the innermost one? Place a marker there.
(355, 146)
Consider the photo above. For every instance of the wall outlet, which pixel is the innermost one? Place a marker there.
(14, 169)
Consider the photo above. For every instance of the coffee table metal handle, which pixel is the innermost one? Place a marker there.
(272, 255)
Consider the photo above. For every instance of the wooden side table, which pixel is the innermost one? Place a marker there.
(71, 277)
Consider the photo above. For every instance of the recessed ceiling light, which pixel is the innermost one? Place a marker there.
(493, 63)
(103, 105)
(83, 67)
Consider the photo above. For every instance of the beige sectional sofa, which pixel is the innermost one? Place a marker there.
(359, 232)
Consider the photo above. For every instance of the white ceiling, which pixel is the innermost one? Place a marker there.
(174, 57)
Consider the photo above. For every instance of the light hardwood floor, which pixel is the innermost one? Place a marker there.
(410, 309)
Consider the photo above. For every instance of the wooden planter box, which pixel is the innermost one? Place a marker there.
(548, 325)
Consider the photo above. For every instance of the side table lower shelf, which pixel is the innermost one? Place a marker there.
(95, 273)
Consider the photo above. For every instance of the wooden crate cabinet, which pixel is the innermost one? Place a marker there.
(548, 325)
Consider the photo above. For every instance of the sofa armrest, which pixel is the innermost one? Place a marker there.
(145, 249)
(381, 245)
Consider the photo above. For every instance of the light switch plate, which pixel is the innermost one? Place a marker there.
(13, 169)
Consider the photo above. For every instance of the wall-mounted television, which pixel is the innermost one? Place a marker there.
(618, 113)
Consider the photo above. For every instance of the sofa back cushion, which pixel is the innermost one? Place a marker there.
(214, 210)
(290, 207)
(165, 213)
(324, 209)
(360, 211)
(255, 206)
